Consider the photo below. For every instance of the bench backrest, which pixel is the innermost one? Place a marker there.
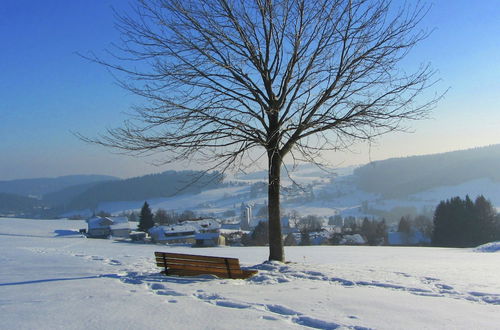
(191, 265)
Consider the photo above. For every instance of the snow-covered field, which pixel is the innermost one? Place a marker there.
(52, 278)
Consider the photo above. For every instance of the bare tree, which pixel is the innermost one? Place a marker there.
(291, 77)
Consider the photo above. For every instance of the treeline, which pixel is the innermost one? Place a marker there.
(92, 192)
(465, 223)
(160, 217)
(40, 187)
(400, 177)
(165, 184)
(19, 205)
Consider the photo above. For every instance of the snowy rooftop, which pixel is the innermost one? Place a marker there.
(107, 222)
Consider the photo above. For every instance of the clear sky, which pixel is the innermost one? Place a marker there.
(47, 91)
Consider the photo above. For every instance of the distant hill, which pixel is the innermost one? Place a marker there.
(16, 204)
(62, 198)
(42, 186)
(400, 177)
(396, 178)
(77, 192)
(165, 184)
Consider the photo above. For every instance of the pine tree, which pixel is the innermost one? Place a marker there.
(368, 230)
(145, 218)
(464, 223)
(381, 232)
(485, 216)
(260, 235)
(305, 239)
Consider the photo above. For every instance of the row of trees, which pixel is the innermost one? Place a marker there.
(465, 223)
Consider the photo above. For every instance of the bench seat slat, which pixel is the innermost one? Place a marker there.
(221, 261)
(197, 266)
(174, 264)
(194, 257)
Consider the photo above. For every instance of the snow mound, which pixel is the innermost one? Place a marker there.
(489, 247)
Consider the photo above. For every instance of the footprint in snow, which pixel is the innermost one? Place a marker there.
(444, 287)
(282, 310)
(403, 274)
(169, 293)
(162, 290)
(157, 286)
(489, 298)
(278, 312)
(114, 262)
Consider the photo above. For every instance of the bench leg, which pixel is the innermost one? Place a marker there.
(228, 268)
(165, 264)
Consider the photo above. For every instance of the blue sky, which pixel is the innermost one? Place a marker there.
(47, 90)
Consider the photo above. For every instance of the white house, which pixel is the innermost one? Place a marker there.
(196, 233)
(104, 227)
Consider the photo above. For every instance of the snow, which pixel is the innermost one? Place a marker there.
(490, 247)
(53, 278)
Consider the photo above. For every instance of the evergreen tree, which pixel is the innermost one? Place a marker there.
(404, 225)
(368, 229)
(405, 229)
(260, 235)
(381, 232)
(305, 239)
(486, 226)
(145, 218)
(464, 223)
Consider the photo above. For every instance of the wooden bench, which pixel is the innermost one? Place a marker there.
(193, 265)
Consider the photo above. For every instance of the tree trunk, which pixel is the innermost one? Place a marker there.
(276, 251)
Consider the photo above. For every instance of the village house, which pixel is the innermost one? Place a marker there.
(104, 227)
(199, 233)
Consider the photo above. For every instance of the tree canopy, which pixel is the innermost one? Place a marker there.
(287, 77)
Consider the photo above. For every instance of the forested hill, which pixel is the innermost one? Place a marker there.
(400, 177)
(16, 204)
(41, 186)
(165, 184)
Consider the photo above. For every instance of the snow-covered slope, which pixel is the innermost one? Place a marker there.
(52, 278)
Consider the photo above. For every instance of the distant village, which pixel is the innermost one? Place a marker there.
(249, 228)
